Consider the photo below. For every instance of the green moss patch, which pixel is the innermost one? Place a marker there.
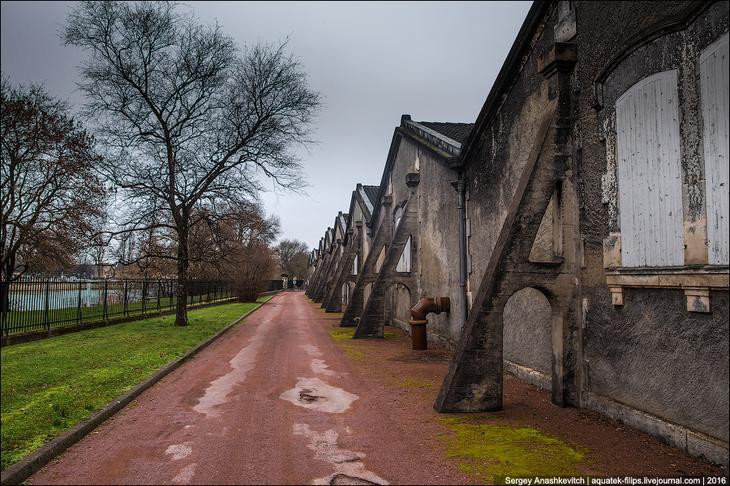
(343, 338)
(340, 333)
(488, 451)
(388, 335)
(411, 382)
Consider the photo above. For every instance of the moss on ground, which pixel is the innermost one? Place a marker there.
(388, 335)
(343, 338)
(51, 385)
(412, 382)
(340, 333)
(488, 451)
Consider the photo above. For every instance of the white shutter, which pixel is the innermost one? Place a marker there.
(345, 292)
(649, 173)
(404, 263)
(397, 218)
(714, 85)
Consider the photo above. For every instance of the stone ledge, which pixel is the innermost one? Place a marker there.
(696, 283)
(530, 375)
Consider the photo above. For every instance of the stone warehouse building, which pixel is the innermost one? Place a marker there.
(579, 226)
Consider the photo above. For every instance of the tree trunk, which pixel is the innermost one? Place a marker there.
(181, 308)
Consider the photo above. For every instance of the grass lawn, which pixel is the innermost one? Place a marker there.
(53, 384)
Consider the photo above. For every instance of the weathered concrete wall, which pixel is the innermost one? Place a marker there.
(402, 165)
(435, 240)
(439, 246)
(502, 149)
(645, 356)
(528, 330)
(492, 172)
(398, 306)
(649, 354)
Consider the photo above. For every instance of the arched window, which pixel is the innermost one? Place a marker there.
(404, 263)
(396, 218)
(714, 92)
(345, 293)
(649, 173)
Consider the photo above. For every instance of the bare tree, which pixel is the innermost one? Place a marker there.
(50, 198)
(190, 121)
(218, 246)
(251, 271)
(252, 259)
(293, 256)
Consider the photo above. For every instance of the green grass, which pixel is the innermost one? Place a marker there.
(412, 382)
(53, 384)
(490, 452)
(341, 333)
(343, 336)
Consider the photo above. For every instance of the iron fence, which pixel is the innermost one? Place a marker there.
(33, 304)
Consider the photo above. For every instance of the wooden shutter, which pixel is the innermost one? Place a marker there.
(404, 263)
(649, 173)
(714, 92)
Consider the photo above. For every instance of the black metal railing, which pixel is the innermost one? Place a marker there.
(36, 305)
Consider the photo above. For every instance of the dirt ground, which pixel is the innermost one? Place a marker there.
(288, 398)
(611, 448)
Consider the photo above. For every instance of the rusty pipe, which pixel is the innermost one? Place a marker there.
(437, 305)
(427, 305)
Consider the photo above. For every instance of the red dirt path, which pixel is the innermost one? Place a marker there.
(225, 416)
(243, 432)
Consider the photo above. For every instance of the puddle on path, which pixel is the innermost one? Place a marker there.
(311, 350)
(179, 451)
(315, 394)
(349, 468)
(216, 394)
(185, 475)
(243, 362)
(319, 367)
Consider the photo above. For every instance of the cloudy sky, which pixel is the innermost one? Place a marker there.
(371, 62)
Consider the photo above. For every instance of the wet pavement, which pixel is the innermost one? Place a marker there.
(276, 401)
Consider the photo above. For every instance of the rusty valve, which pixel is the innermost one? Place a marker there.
(426, 305)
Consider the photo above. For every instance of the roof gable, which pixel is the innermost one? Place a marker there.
(454, 131)
(371, 192)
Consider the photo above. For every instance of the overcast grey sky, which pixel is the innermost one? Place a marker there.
(371, 62)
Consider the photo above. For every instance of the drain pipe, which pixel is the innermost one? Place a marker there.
(418, 321)
(460, 186)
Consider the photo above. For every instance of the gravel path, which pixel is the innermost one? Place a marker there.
(275, 400)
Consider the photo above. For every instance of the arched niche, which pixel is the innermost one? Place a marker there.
(398, 305)
(527, 332)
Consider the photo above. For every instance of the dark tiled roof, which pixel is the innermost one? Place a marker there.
(455, 131)
(372, 192)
